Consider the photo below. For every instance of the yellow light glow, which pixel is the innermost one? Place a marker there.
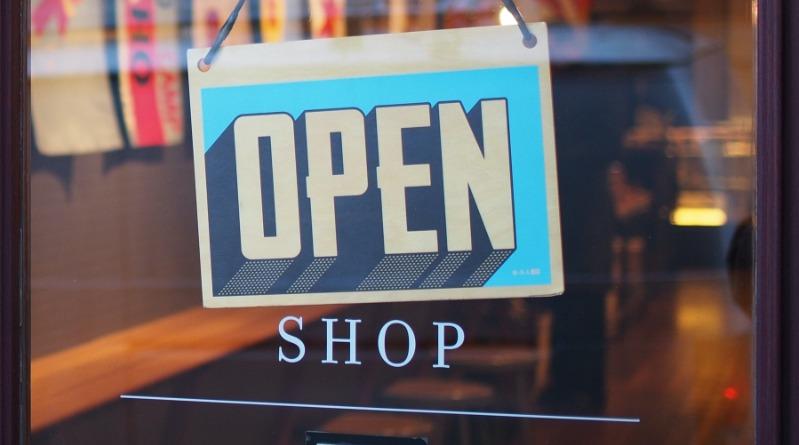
(698, 217)
(505, 17)
(737, 149)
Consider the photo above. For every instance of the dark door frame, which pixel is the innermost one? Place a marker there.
(14, 265)
(777, 224)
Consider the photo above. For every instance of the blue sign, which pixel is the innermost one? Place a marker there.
(377, 186)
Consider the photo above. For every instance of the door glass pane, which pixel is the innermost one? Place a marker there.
(650, 343)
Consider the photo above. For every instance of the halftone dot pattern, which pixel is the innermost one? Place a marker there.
(255, 277)
(487, 269)
(311, 275)
(397, 271)
(444, 270)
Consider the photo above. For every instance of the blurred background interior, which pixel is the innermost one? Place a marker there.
(653, 110)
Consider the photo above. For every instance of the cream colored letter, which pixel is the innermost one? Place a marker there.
(486, 175)
(323, 185)
(393, 177)
(248, 130)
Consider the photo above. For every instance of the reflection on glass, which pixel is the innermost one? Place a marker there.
(653, 108)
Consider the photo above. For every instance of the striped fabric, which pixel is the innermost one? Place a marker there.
(149, 76)
(328, 18)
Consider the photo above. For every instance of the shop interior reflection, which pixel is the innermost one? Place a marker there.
(653, 109)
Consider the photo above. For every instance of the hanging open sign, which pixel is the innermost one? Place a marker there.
(402, 167)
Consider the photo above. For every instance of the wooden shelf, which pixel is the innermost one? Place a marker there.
(77, 379)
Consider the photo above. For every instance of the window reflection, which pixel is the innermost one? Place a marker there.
(653, 108)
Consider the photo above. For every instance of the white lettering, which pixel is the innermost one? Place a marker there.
(442, 346)
(281, 357)
(381, 344)
(351, 340)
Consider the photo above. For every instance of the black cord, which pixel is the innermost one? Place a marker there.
(528, 39)
(205, 62)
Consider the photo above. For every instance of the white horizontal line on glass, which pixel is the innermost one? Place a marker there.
(383, 409)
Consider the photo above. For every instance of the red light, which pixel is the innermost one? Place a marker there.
(730, 393)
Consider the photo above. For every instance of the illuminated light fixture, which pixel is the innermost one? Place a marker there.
(737, 149)
(505, 17)
(698, 217)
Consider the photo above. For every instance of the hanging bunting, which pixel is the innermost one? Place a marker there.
(278, 20)
(295, 17)
(468, 13)
(574, 12)
(424, 15)
(398, 16)
(328, 18)
(149, 79)
(411, 15)
(71, 97)
(208, 17)
(272, 20)
(368, 16)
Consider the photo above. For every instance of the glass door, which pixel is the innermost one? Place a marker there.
(650, 341)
